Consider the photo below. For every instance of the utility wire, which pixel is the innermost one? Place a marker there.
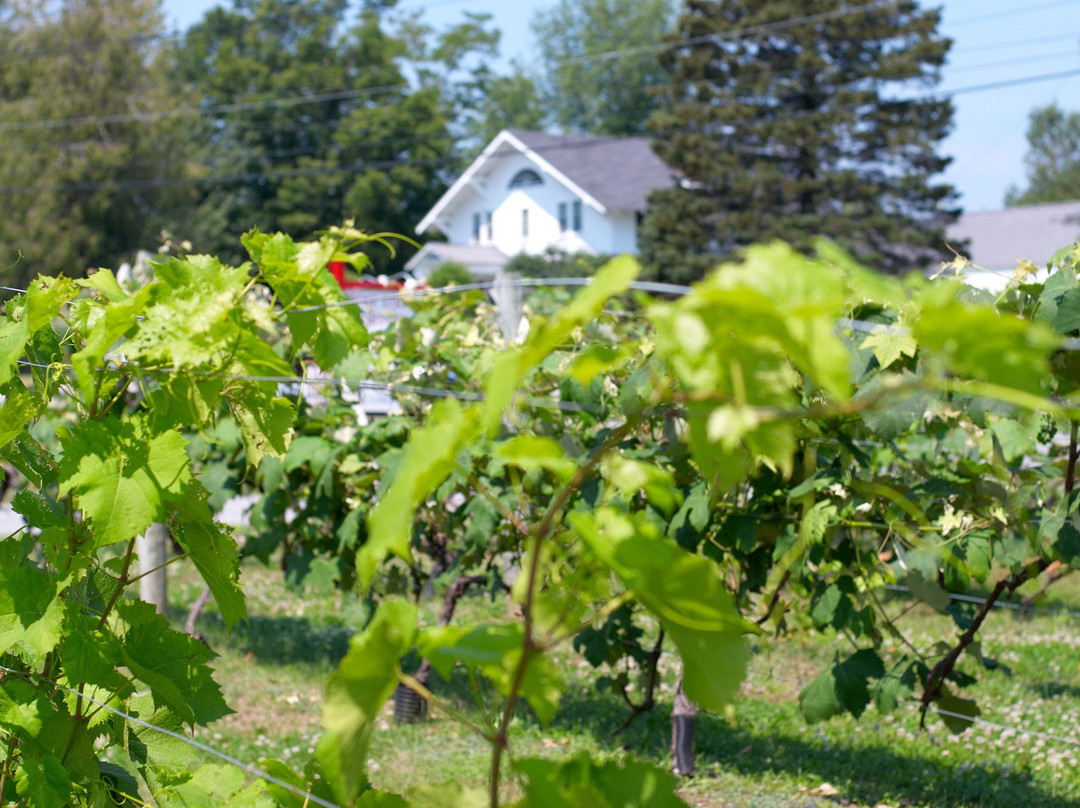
(254, 177)
(302, 99)
(247, 767)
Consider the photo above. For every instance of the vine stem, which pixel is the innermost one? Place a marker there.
(529, 644)
(418, 687)
(1006, 586)
(12, 743)
(121, 583)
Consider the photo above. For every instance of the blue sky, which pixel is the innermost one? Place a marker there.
(994, 41)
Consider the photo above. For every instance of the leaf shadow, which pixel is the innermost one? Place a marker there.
(276, 640)
(863, 771)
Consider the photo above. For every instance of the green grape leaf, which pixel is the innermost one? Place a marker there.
(147, 747)
(430, 455)
(214, 552)
(283, 796)
(14, 334)
(30, 460)
(889, 345)
(686, 592)
(531, 452)
(265, 423)
(496, 652)
(44, 297)
(897, 686)
(92, 657)
(120, 472)
(1067, 317)
(961, 712)
(340, 332)
(20, 406)
(445, 795)
(980, 343)
(546, 335)
(1065, 545)
(43, 782)
(583, 783)
(31, 615)
(171, 663)
(927, 590)
(185, 399)
(191, 313)
(597, 359)
(313, 450)
(832, 605)
(102, 328)
(844, 687)
(212, 786)
(361, 685)
(40, 510)
(633, 476)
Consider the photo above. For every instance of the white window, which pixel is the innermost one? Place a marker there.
(564, 219)
(525, 178)
(525, 223)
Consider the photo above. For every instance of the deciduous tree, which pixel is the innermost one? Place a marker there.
(600, 62)
(1053, 158)
(81, 152)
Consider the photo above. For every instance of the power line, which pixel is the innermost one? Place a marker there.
(151, 115)
(239, 106)
(202, 747)
(1025, 11)
(388, 164)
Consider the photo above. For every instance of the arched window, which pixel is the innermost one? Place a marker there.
(525, 178)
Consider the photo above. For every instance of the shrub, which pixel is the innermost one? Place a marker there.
(450, 273)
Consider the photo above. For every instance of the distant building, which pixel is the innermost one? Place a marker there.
(995, 241)
(531, 191)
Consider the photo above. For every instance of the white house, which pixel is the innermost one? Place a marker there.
(530, 191)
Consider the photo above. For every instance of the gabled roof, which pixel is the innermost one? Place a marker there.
(620, 172)
(606, 172)
(998, 239)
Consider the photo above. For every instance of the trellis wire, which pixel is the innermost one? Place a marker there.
(1002, 604)
(247, 767)
(973, 719)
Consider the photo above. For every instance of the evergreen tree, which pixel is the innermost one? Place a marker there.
(1053, 158)
(83, 156)
(600, 62)
(790, 119)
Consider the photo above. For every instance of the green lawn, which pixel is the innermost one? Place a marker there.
(273, 669)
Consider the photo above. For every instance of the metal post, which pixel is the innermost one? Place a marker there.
(152, 547)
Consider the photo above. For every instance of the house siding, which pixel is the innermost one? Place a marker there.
(491, 194)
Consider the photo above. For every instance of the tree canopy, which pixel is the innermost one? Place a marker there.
(81, 157)
(600, 62)
(788, 124)
(1053, 158)
(316, 122)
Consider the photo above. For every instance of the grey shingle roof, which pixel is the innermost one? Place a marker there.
(618, 172)
(999, 238)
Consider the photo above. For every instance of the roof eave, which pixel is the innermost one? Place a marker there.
(548, 168)
(465, 179)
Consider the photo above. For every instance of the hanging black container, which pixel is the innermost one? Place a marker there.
(683, 744)
(409, 706)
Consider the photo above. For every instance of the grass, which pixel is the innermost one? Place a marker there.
(273, 669)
